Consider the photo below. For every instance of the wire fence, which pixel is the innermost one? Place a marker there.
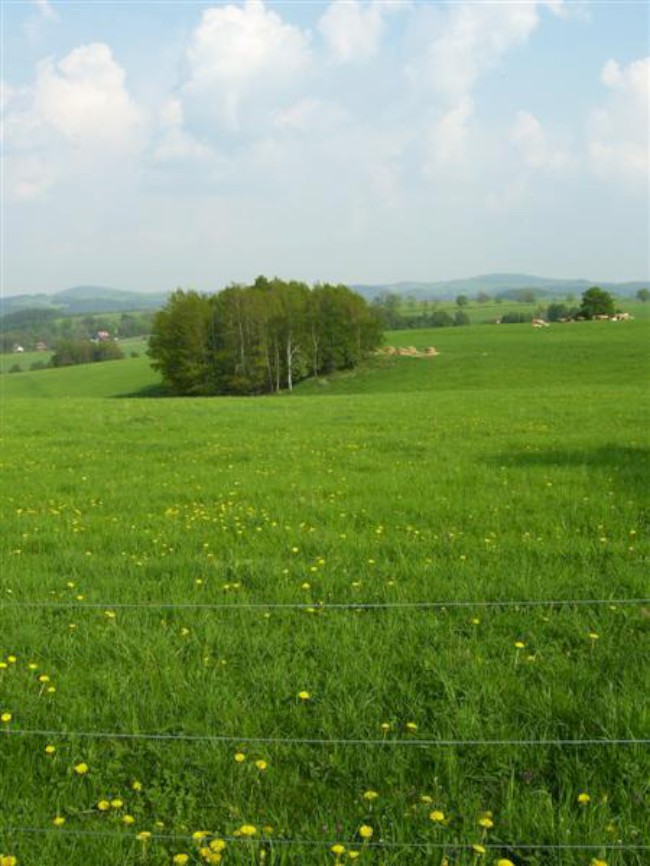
(322, 741)
(306, 606)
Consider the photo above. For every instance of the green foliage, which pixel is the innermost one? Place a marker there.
(596, 302)
(557, 311)
(643, 295)
(260, 338)
(462, 300)
(70, 352)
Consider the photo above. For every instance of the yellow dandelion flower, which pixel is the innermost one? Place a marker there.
(486, 823)
(370, 795)
(385, 726)
(426, 799)
(353, 855)
(3, 665)
(478, 849)
(136, 785)
(199, 835)
(12, 660)
(594, 635)
(180, 859)
(596, 862)
(103, 805)
(248, 830)
(128, 819)
(117, 803)
(504, 862)
(338, 849)
(412, 727)
(81, 769)
(6, 717)
(43, 678)
(304, 695)
(50, 750)
(261, 765)
(584, 798)
(520, 644)
(143, 836)
(240, 757)
(58, 821)
(437, 816)
(8, 860)
(217, 845)
(366, 831)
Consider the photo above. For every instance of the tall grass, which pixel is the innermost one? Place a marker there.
(513, 466)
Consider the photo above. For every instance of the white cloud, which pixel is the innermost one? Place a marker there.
(534, 144)
(448, 137)
(466, 40)
(618, 130)
(240, 54)
(76, 116)
(36, 24)
(352, 30)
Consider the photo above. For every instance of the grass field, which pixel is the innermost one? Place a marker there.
(512, 467)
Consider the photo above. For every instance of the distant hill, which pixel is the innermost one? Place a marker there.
(101, 299)
(84, 299)
(502, 285)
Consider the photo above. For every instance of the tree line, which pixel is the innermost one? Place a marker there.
(261, 338)
(32, 326)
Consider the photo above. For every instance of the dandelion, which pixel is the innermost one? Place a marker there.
(370, 796)
(128, 819)
(110, 614)
(596, 862)
(43, 678)
(217, 845)
(12, 660)
(180, 859)
(248, 830)
(385, 726)
(594, 635)
(437, 816)
(520, 644)
(136, 785)
(81, 769)
(304, 696)
(504, 862)
(143, 836)
(261, 765)
(199, 835)
(240, 757)
(6, 717)
(117, 803)
(50, 750)
(58, 821)
(338, 849)
(353, 855)
(366, 831)
(584, 798)
(478, 849)
(411, 727)
(103, 805)
(8, 860)
(486, 822)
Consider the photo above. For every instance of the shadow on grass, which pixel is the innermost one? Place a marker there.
(155, 390)
(629, 466)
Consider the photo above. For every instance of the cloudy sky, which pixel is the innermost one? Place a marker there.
(148, 145)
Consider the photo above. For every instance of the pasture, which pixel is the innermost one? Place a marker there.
(211, 648)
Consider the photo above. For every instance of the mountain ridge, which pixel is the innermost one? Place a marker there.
(104, 299)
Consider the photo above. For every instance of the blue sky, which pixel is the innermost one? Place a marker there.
(152, 145)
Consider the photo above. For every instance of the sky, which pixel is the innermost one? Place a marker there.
(150, 145)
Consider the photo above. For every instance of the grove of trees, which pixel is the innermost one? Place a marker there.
(260, 338)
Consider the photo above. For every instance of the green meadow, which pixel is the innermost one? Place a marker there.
(298, 629)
